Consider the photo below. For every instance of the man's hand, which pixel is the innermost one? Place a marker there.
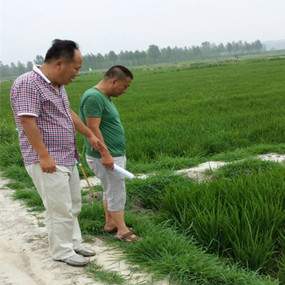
(47, 164)
(96, 143)
(108, 161)
(88, 133)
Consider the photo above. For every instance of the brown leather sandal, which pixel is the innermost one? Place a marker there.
(128, 237)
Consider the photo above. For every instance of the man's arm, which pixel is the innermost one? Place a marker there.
(85, 131)
(93, 124)
(35, 139)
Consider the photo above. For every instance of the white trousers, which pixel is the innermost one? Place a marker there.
(60, 192)
(113, 183)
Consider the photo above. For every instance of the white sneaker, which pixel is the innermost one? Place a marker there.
(75, 260)
(85, 251)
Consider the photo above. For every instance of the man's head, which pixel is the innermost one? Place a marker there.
(65, 59)
(118, 79)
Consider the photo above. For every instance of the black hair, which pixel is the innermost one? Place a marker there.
(118, 71)
(61, 49)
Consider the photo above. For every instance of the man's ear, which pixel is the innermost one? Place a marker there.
(58, 64)
(114, 81)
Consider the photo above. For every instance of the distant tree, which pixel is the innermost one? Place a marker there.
(122, 58)
(215, 50)
(112, 57)
(246, 47)
(29, 66)
(39, 60)
(221, 49)
(206, 49)
(100, 61)
(88, 61)
(143, 57)
(127, 58)
(132, 60)
(153, 54)
(196, 52)
(239, 46)
(4, 70)
(166, 54)
(257, 46)
(177, 54)
(138, 59)
(229, 48)
(21, 68)
(13, 69)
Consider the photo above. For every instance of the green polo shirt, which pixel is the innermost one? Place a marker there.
(96, 104)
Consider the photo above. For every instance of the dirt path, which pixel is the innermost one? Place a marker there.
(24, 256)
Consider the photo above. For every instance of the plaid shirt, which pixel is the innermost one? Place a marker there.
(33, 95)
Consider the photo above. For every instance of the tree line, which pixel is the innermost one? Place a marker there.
(153, 55)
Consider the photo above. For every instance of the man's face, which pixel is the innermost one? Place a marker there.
(69, 70)
(120, 86)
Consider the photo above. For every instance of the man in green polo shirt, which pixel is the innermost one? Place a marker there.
(99, 113)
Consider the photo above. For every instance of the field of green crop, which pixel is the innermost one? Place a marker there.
(176, 115)
(230, 230)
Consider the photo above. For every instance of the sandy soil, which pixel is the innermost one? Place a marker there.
(24, 256)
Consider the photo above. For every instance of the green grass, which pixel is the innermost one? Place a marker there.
(197, 113)
(31, 198)
(229, 230)
(164, 251)
(176, 118)
(171, 254)
(205, 214)
(239, 214)
(104, 276)
(19, 174)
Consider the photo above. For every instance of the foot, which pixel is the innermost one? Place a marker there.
(110, 229)
(128, 237)
(113, 230)
(85, 251)
(75, 260)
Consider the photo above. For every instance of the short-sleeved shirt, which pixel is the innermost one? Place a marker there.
(96, 104)
(33, 95)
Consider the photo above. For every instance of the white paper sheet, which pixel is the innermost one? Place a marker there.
(123, 171)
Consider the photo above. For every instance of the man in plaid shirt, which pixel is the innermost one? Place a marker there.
(46, 126)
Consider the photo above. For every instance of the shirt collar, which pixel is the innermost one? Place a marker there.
(39, 72)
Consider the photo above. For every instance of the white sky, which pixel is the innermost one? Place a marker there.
(27, 27)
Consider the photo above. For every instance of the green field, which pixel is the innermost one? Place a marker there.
(230, 230)
(175, 114)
